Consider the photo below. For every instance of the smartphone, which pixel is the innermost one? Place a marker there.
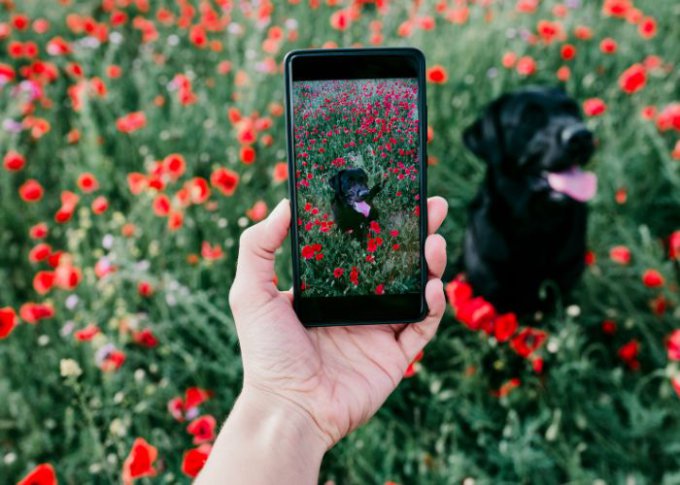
(356, 126)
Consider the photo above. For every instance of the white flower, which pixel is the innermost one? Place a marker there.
(69, 368)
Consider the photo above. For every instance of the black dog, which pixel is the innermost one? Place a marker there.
(352, 204)
(527, 223)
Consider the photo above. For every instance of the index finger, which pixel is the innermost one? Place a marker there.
(437, 207)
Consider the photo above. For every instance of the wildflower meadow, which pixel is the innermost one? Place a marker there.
(139, 138)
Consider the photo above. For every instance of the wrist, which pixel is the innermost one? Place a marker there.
(266, 439)
(286, 421)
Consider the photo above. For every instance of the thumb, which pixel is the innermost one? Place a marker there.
(255, 266)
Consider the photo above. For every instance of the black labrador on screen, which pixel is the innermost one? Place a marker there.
(527, 223)
(353, 207)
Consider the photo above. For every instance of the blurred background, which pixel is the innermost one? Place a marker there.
(140, 137)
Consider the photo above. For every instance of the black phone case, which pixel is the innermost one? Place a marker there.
(422, 172)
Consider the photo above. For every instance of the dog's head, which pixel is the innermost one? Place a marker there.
(536, 134)
(351, 186)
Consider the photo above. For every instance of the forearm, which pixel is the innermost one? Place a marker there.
(264, 442)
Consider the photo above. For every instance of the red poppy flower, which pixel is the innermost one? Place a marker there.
(652, 278)
(633, 79)
(280, 173)
(609, 327)
(594, 107)
(176, 408)
(43, 282)
(137, 182)
(549, 31)
(354, 275)
(647, 28)
(145, 338)
(87, 182)
(507, 387)
(194, 460)
(412, 368)
(43, 474)
(380, 289)
(675, 382)
(13, 161)
(537, 365)
(225, 180)
(203, 429)
(341, 20)
(504, 326)
(674, 245)
(175, 220)
(528, 341)
(526, 66)
(616, 8)
(568, 52)
(195, 396)
(174, 165)
(211, 253)
(145, 289)
(258, 211)
(563, 74)
(139, 463)
(475, 313)
(458, 292)
(8, 320)
(437, 74)
(608, 45)
(582, 32)
(40, 252)
(31, 191)
(67, 277)
(590, 258)
(86, 334)
(620, 254)
(509, 60)
(161, 205)
(629, 352)
(34, 312)
(131, 122)
(100, 205)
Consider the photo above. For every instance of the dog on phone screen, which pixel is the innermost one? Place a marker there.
(352, 205)
(527, 224)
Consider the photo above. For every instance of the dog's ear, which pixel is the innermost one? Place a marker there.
(482, 137)
(334, 181)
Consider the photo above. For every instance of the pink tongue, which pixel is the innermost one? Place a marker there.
(574, 182)
(362, 207)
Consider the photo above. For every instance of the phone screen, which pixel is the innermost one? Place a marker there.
(356, 144)
(356, 179)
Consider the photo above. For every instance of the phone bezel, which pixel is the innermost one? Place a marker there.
(358, 63)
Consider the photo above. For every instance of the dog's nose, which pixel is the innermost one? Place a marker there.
(363, 193)
(577, 138)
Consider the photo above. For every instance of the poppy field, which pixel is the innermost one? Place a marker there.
(139, 138)
(371, 125)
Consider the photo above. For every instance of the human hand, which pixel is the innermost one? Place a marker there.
(334, 378)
